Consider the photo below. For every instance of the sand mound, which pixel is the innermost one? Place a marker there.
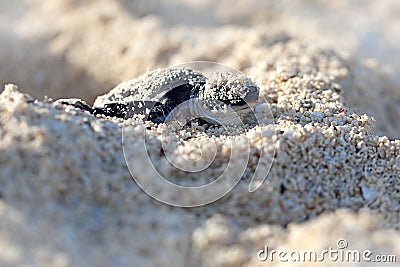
(67, 197)
(73, 48)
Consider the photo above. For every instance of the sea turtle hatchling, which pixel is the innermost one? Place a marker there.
(173, 94)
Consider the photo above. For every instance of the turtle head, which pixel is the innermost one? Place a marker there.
(228, 96)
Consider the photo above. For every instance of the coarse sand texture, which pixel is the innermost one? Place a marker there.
(68, 199)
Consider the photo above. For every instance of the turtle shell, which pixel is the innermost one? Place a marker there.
(159, 85)
(156, 94)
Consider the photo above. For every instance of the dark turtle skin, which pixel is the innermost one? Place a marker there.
(159, 95)
(157, 113)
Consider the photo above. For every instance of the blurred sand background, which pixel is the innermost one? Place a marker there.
(82, 48)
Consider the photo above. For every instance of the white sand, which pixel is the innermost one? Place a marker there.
(72, 48)
(67, 198)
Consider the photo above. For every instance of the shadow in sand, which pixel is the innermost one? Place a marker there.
(37, 71)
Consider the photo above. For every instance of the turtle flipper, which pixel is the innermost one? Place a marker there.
(118, 110)
(159, 113)
(155, 111)
(173, 98)
(75, 102)
(179, 94)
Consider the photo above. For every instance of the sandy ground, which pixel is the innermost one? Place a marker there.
(336, 172)
(67, 48)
